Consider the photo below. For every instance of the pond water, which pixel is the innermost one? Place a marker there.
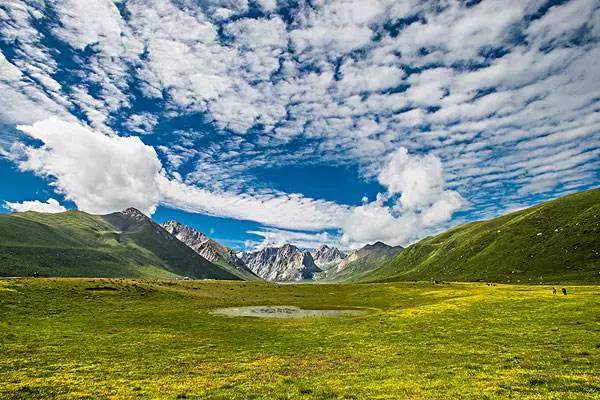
(284, 312)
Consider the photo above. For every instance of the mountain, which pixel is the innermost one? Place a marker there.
(556, 241)
(285, 263)
(209, 249)
(125, 244)
(326, 256)
(362, 261)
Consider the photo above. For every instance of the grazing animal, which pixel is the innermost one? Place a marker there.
(553, 290)
(564, 291)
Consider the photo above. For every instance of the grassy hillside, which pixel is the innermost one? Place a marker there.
(557, 241)
(74, 243)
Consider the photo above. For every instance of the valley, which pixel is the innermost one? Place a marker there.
(122, 307)
(553, 242)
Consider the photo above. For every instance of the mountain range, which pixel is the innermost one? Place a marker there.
(551, 242)
(210, 249)
(285, 263)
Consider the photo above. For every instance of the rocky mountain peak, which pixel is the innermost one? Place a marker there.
(134, 213)
(188, 235)
(327, 256)
(285, 263)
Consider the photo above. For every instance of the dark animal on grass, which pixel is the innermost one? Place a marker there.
(553, 290)
(564, 291)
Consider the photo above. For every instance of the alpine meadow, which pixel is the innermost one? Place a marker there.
(300, 199)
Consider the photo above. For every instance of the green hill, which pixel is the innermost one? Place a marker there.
(74, 243)
(557, 241)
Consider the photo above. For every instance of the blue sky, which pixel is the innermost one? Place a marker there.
(263, 122)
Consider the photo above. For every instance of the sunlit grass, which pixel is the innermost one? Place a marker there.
(139, 339)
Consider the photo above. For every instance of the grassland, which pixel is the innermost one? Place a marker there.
(121, 339)
(556, 241)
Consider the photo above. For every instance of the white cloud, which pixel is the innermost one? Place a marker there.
(423, 203)
(561, 22)
(102, 174)
(292, 211)
(418, 179)
(99, 173)
(375, 221)
(50, 206)
(304, 240)
(268, 5)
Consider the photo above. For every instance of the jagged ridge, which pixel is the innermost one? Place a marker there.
(208, 248)
(285, 263)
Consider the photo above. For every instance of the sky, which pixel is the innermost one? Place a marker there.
(261, 122)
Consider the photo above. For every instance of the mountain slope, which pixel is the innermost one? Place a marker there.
(557, 241)
(362, 261)
(74, 243)
(285, 263)
(209, 249)
(326, 256)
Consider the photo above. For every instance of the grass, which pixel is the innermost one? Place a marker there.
(557, 241)
(121, 339)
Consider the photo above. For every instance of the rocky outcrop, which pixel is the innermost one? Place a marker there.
(285, 263)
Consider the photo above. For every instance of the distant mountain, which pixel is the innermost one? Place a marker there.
(125, 244)
(362, 261)
(209, 249)
(556, 241)
(285, 263)
(326, 256)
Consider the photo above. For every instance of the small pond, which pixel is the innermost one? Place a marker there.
(284, 312)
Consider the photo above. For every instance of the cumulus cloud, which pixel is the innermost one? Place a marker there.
(141, 123)
(419, 180)
(99, 173)
(50, 206)
(102, 173)
(416, 199)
